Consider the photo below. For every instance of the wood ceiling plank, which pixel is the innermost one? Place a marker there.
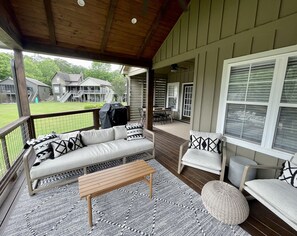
(9, 30)
(109, 21)
(50, 20)
(153, 28)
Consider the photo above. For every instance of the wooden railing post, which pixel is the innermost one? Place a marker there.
(5, 153)
(31, 128)
(96, 118)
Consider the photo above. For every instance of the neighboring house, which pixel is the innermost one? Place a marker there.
(72, 87)
(64, 84)
(35, 88)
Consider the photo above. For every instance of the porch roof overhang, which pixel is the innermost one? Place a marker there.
(100, 31)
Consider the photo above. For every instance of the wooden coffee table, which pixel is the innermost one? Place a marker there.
(95, 184)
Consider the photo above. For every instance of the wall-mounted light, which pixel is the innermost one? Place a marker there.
(81, 3)
(133, 20)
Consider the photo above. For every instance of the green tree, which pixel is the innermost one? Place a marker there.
(119, 86)
(31, 69)
(48, 69)
(5, 68)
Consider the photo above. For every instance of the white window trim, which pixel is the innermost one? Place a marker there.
(176, 84)
(266, 145)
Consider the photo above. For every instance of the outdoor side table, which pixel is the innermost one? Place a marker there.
(236, 167)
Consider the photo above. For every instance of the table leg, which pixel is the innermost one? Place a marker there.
(151, 185)
(89, 199)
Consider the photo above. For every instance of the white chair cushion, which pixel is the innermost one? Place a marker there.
(120, 132)
(97, 136)
(276, 193)
(203, 160)
(66, 136)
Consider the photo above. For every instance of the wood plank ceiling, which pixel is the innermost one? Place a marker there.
(101, 30)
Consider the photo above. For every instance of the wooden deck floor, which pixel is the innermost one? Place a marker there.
(261, 220)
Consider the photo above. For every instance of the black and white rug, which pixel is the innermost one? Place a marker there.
(175, 209)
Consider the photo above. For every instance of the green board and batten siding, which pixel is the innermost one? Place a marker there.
(211, 31)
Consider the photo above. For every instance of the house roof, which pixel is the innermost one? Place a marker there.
(37, 82)
(101, 30)
(34, 81)
(90, 81)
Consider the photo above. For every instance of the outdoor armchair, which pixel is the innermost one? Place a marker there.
(204, 151)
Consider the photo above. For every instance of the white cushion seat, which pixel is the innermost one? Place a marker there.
(277, 195)
(210, 161)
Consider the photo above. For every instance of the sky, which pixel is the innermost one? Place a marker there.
(84, 63)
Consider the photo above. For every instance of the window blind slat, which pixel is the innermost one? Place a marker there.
(289, 94)
(245, 122)
(286, 130)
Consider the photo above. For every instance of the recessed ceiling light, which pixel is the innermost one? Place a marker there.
(133, 20)
(81, 3)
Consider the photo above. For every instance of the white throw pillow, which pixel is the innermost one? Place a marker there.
(211, 142)
(97, 136)
(120, 132)
(134, 131)
(289, 173)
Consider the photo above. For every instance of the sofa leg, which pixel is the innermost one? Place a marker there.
(124, 160)
(85, 170)
(180, 168)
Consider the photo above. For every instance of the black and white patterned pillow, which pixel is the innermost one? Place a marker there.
(134, 131)
(61, 147)
(289, 173)
(42, 147)
(211, 143)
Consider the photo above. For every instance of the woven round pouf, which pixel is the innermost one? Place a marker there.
(225, 202)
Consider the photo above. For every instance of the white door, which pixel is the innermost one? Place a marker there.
(187, 100)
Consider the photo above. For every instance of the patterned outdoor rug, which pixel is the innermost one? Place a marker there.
(175, 209)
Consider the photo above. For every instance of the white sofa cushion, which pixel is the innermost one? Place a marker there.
(91, 154)
(97, 136)
(120, 132)
(277, 194)
(210, 161)
(66, 136)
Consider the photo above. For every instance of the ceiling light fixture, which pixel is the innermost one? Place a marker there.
(81, 3)
(173, 68)
(133, 20)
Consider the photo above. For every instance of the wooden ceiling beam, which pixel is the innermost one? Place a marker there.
(9, 30)
(50, 21)
(111, 12)
(153, 27)
(84, 53)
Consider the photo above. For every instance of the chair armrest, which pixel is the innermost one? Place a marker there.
(248, 167)
(224, 160)
(182, 149)
(151, 133)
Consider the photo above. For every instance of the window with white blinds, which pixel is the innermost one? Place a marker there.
(286, 129)
(172, 95)
(247, 100)
(258, 103)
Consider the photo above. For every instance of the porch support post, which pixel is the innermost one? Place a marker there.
(21, 87)
(149, 98)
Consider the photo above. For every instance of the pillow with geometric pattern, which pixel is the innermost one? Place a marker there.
(211, 142)
(42, 147)
(289, 173)
(61, 147)
(134, 131)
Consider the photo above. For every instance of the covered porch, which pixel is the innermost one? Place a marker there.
(199, 33)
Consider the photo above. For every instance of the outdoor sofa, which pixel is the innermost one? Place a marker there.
(88, 148)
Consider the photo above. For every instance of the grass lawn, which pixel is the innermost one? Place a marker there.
(14, 142)
(9, 112)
